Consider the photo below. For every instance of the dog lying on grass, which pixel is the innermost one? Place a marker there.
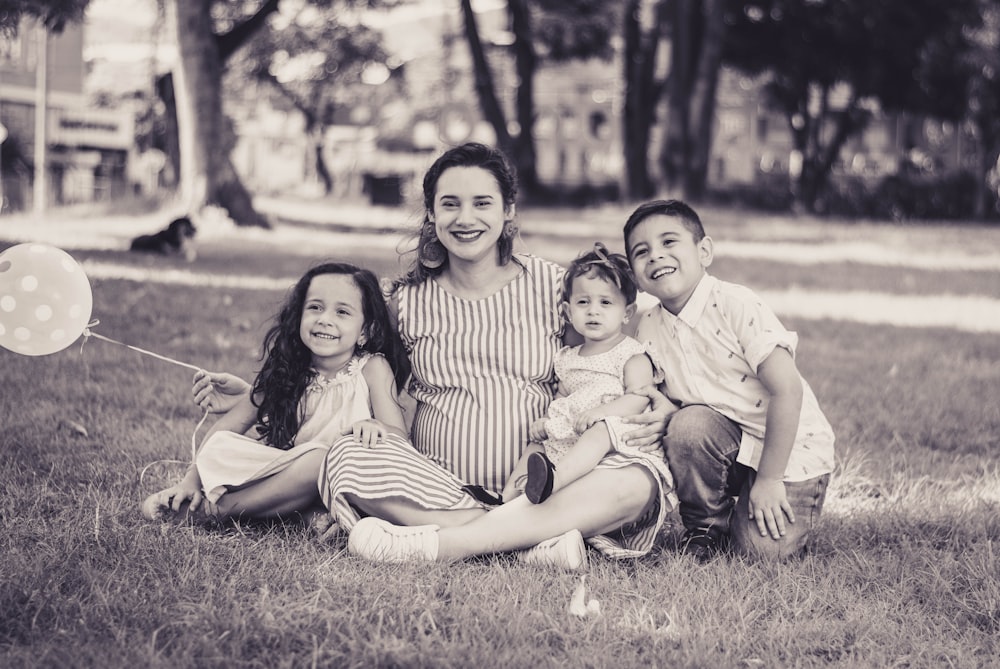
(175, 239)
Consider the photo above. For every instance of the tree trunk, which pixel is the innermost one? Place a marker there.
(702, 117)
(697, 38)
(642, 94)
(207, 173)
(171, 138)
(485, 88)
(526, 62)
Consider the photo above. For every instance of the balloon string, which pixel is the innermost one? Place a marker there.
(87, 334)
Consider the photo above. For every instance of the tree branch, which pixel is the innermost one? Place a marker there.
(230, 42)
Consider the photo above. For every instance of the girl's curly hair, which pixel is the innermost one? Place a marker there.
(287, 370)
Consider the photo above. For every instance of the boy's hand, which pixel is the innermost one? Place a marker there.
(653, 423)
(217, 392)
(769, 506)
(369, 432)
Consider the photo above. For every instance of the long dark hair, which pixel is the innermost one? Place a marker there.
(287, 369)
(431, 257)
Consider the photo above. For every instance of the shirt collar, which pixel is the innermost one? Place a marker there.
(696, 304)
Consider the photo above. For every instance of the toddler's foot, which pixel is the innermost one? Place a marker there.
(380, 541)
(567, 551)
(541, 477)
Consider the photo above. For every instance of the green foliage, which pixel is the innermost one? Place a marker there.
(55, 14)
(903, 53)
(578, 29)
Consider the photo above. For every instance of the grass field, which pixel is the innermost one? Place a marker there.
(905, 572)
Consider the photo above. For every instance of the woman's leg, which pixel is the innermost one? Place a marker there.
(600, 502)
(401, 511)
(291, 490)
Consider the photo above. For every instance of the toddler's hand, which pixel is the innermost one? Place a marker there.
(537, 431)
(586, 420)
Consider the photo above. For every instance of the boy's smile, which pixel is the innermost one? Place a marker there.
(667, 261)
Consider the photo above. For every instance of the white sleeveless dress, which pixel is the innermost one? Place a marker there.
(229, 461)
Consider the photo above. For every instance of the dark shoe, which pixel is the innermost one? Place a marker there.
(541, 476)
(702, 544)
(483, 496)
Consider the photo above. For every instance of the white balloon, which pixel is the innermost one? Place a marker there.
(45, 299)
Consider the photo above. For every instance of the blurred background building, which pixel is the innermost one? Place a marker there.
(103, 114)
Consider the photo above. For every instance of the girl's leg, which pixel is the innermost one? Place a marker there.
(291, 490)
(400, 511)
(581, 458)
(599, 502)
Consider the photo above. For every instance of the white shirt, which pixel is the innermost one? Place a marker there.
(709, 354)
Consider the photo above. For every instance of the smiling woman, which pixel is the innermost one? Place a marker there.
(483, 326)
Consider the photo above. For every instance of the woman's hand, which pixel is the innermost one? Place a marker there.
(217, 392)
(651, 424)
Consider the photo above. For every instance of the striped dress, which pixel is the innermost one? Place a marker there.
(483, 371)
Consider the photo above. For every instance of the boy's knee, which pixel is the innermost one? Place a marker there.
(691, 430)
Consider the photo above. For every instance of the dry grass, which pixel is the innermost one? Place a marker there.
(904, 572)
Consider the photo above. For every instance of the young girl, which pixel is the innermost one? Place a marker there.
(583, 421)
(332, 366)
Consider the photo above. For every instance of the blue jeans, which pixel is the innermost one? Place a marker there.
(714, 490)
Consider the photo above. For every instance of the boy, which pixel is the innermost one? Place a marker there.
(749, 448)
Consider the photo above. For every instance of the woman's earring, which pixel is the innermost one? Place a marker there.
(432, 252)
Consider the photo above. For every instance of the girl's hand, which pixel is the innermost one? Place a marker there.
(652, 424)
(175, 496)
(369, 432)
(769, 506)
(537, 431)
(217, 392)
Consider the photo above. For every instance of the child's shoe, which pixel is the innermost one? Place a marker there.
(541, 476)
(567, 551)
(702, 544)
(380, 541)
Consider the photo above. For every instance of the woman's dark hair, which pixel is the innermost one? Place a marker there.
(676, 208)
(287, 370)
(612, 267)
(431, 258)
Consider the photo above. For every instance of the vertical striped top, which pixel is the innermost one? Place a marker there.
(482, 369)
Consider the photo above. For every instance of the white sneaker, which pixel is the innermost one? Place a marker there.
(567, 551)
(380, 541)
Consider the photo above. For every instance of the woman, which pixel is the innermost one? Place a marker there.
(482, 325)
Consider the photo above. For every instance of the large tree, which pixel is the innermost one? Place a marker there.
(697, 31)
(827, 64)
(318, 64)
(643, 27)
(556, 30)
(54, 14)
(207, 172)
(982, 63)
